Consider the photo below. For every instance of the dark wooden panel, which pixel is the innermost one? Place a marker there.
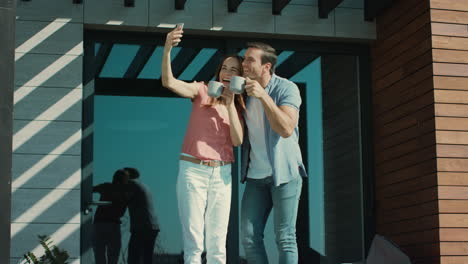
(406, 109)
(448, 42)
(374, 8)
(420, 205)
(395, 51)
(407, 160)
(404, 148)
(423, 251)
(408, 55)
(405, 174)
(449, 30)
(400, 137)
(400, 202)
(403, 35)
(413, 119)
(410, 225)
(404, 129)
(389, 26)
(405, 91)
(448, 16)
(419, 237)
(409, 186)
(426, 260)
(406, 70)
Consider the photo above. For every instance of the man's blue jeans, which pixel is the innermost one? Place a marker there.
(260, 197)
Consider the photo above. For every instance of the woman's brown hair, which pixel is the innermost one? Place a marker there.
(239, 99)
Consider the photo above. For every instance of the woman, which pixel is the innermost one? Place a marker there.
(204, 180)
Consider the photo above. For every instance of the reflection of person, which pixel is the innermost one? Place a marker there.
(204, 180)
(107, 242)
(144, 227)
(271, 161)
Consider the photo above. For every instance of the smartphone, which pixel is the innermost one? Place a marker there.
(180, 25)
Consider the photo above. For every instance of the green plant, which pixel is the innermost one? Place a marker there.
(52, 254)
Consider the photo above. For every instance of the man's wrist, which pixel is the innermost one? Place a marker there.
(264, 97)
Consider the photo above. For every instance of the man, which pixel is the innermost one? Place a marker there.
(144, 225)
(107, 222)
(271, 158)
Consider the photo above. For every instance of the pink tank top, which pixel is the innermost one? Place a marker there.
(208, 136)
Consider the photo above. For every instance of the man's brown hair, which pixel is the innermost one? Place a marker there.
(269, 53)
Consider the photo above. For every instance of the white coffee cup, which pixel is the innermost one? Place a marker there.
(237, 84)
(215, 89)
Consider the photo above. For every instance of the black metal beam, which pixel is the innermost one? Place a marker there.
(233, 5)
(129, 3)
(139, 61)
(295, 63)
(180, 4)
(77, 1)
(139, 87)
(208, 70)
(7, 72)
(182, 60)
(326, 6)
(87, 150)
(278, 6)
(373, 8)
(101, 57)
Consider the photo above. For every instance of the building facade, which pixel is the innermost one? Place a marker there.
(384, 123)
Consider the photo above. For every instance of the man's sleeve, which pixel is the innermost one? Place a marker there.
(291, 96)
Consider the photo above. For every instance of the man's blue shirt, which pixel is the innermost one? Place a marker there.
(284, 153)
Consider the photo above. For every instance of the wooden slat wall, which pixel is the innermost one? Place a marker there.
(449, 21)
(405, 135)
(420, 96)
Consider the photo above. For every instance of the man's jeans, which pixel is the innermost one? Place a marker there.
(141, 246)
(107, 243)
(260, 196)
(204, 199)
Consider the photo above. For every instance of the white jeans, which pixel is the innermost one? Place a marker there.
(204, 199)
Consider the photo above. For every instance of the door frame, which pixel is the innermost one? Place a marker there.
(231, 45)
